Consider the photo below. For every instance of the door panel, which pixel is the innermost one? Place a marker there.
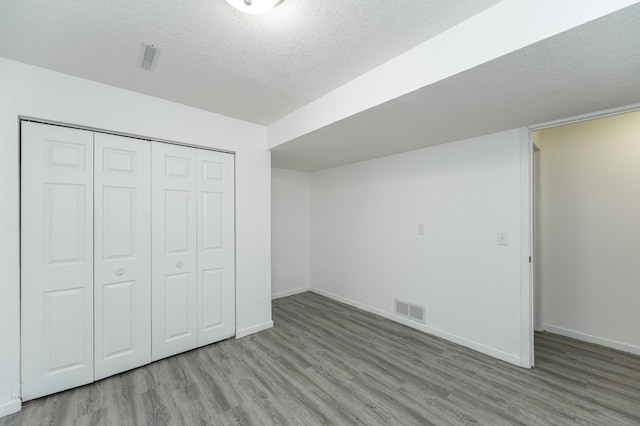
(119, 321)
(216, 247)
(212, 213)
(64, 322)
(119, 222)
(123, 254)
(213, 294)
(56, 258)
(174, 250)
(177, 288)
(178, 214)
(65, 225)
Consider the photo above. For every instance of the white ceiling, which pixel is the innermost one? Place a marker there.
(591, 68)
(256, 68)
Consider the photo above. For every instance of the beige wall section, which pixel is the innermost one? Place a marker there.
(591, 230)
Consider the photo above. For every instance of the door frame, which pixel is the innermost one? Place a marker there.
(25, 118)
(22, 118)
(536, 238)
(526, 241)
(527, 215)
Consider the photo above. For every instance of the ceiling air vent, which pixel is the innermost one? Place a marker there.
(409, 310)
(148, 57)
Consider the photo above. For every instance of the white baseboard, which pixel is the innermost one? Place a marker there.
(10, 407)
(487, 350)
(254, 329)
(290, 292)
(589, 338)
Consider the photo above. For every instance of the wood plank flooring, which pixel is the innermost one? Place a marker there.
(328, 363)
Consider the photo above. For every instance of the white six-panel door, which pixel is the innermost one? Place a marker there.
(174, 277)
(162, 278)
(122, 254)
(216, 253)
(57, 259)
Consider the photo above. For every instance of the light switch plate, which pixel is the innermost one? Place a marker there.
(420, 229)
(503, 239)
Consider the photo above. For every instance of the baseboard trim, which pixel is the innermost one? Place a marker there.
(10, 407)
(479, 347)
(290, 292)
(254, 329)
(590, 338)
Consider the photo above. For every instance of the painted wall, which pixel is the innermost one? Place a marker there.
(290, 215)
(366, 250)
(40, 93)
(591, 230)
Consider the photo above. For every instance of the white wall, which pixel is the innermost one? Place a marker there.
(366, 251)
(40, 93)
(591, 230)
(290, 197)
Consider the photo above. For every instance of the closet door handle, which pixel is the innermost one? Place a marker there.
(119, 271)
(179, 265)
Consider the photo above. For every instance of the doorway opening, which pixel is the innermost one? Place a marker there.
(586, 235)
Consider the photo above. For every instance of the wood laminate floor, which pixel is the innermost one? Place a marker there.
(328, 363)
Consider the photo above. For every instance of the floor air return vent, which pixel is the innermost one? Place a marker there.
(410, 311)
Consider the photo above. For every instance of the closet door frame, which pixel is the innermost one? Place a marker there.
(30, 119)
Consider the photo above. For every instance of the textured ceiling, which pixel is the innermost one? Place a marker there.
(591, 68)
(256, 68)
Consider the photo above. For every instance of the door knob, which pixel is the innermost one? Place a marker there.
(119, 271)
(179, 265)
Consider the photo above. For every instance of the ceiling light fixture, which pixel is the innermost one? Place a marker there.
(254, 7)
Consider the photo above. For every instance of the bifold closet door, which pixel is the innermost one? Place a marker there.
(216, 247)
(174, 275)
(127, 254)
(122, 254)
(193, 248)
(56, 258)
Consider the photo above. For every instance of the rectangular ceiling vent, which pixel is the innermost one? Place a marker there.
(410, 311)
(148, 57)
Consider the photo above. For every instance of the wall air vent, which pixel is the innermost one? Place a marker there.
(402, 308)
(410, 311)
(148, 57)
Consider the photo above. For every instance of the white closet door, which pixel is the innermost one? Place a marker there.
(122, 254)
(174, 276)
(216, 247)
(57, 259)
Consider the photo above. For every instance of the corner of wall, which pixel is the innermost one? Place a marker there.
(254, 329)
